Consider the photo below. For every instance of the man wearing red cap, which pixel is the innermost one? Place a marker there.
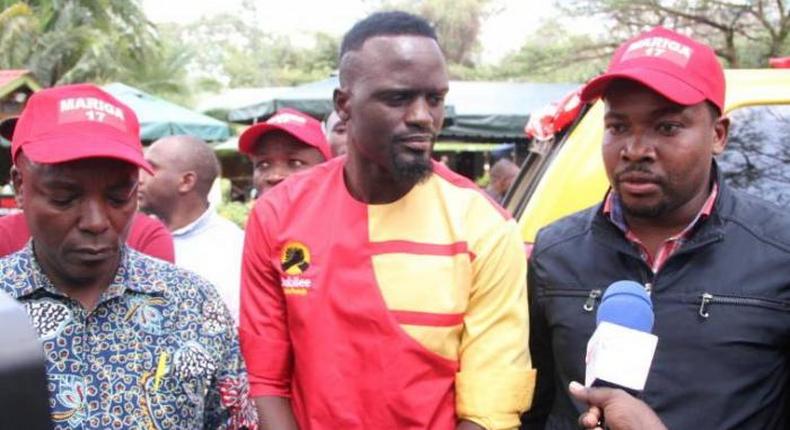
(130, 341)
(715, 261)
(286, 143)
(146, 234)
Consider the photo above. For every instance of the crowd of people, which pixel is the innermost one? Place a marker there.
(377, 289)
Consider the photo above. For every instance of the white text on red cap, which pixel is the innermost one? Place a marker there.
(91, 104)
(662, 47)
(285, 118)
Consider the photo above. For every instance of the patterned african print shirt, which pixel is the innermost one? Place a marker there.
(159, 351)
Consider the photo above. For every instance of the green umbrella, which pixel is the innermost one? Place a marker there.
(159, 118)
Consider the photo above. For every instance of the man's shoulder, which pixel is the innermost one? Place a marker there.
(226, 226)
(565, 230)
(177, 284)
(465, 193)
(318, 182)
(766, 221)
(15, 273)
(187, 295)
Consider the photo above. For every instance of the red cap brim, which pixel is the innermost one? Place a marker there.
(667, 85)
(61, 149)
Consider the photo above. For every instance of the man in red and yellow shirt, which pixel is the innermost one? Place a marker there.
(380, 290)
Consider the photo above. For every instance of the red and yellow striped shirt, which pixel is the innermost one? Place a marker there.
(405, 315)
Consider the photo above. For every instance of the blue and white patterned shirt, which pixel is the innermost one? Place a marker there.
(159, 351)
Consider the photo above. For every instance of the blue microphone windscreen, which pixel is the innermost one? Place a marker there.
(626, 303)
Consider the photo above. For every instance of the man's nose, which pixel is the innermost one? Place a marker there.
(93, 216)
(638, 147)
(419, 114)
(276, 175)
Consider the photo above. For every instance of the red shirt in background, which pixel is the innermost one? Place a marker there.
(147, 235)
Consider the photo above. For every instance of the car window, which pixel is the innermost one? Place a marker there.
(757, 157)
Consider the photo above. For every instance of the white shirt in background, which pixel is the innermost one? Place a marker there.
(211, 246)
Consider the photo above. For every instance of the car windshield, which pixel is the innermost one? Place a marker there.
(757, 157)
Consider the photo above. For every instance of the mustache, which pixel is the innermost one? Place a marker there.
(416, 134)
(640, 172)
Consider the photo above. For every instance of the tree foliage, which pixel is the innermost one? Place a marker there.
(63, 41)
(458, 24)
(231, 49)
(744, 33)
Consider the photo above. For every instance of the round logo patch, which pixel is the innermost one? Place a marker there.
(295, 258)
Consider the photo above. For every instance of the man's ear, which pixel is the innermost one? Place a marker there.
(341, 98)
(721, 131)
(187, 182)
(16, 181)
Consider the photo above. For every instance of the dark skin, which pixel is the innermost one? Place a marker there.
(79, 214)
(279, 155)
(392, 101)
(658, 158)
(621, 410)
(337, 134)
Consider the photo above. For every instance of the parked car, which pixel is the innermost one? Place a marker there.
(565, 175)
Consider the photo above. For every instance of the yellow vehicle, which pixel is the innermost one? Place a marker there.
(565, 176)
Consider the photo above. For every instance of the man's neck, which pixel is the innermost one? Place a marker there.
(186, 213)
(86, 292)
(654, 231)
(369, 183)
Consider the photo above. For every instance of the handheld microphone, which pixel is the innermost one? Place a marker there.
(620, 352)
(24, 398)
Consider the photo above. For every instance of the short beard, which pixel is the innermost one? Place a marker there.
(415, 171)
(654, 211)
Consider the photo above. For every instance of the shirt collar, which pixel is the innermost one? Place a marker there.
(613, 209)
(31, 278)
(195, 225)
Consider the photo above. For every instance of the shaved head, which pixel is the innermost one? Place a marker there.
(184, 167)
(393, 23)
(188, 153)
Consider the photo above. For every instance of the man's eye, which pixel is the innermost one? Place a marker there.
(119, 200)
(297, 163)
(62, 201)
(668, 128)
(397, 98)
(262, 165)
(615, 128)
(436, 99)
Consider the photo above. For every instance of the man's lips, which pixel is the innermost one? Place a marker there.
(638, 183)
(89, 254)
(417, 142)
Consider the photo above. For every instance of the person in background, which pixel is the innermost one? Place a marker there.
(413, 314)
(147, 235)
(129, 341)
(336, 133)
(288, 142)
(501, 175)
(184, 169)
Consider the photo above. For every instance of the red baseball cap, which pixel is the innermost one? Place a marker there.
(682, 70)
(303, 127)
(73, 122)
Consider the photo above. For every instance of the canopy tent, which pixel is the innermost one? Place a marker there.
(314, 98)
(220, 105)
(477, 111)
(496, 111)
(159, 118)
